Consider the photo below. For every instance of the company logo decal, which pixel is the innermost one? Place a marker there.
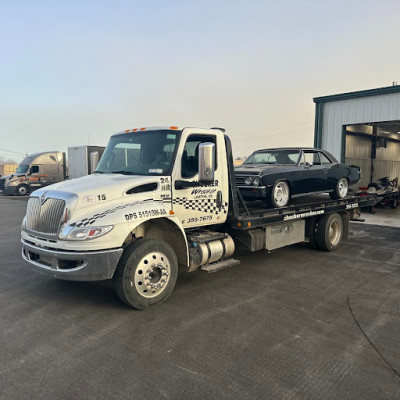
(43, 198)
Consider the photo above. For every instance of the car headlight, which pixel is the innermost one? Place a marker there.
(248, 181)
(256, 181)
(88, 233)
(14, 183)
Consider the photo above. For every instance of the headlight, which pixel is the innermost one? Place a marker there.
(256, 181)
(14, 183)
(248, 181)
(88, 233)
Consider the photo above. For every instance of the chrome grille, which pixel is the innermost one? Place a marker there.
(44, 218)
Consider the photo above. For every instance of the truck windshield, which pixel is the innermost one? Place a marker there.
(281, 157)
(140, 153)
(22, 169)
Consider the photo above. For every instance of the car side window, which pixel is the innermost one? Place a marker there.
(311, 157)
(190, 156)
(324, 159)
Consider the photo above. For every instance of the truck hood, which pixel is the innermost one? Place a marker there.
(101, 187)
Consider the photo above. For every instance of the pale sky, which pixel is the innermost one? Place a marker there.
(75, 72)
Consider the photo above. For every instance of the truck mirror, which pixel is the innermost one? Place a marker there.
(94, 160)
(206, 162)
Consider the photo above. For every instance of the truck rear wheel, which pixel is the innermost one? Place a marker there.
(22, 190)
(329, 232)
(146, 273)
(311, 230)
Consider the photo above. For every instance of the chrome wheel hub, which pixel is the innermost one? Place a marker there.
(343, 187)
(152, 274)
(281, 194)
(334, 233)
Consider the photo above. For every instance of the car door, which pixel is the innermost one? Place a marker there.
(315, 174)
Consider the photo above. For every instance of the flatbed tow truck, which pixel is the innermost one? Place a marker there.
(163, 200)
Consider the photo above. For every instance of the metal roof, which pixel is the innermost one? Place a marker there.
(360, 93)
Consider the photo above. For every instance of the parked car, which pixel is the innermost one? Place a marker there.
(277, 175)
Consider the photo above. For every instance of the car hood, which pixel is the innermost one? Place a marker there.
(252, 169)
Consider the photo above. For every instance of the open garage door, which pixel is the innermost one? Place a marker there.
(375, 148)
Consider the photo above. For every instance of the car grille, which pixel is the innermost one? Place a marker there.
(240, 179)
(2, 183)
(44, 218)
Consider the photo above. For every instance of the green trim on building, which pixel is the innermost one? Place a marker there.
(318, 125)
(343, 152)
(360, 93)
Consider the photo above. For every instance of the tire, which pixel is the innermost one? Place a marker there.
(146, 273)
(394, 203)
(311, 227)
(22, 190)
(329, 232)
(341, 190)
(280, 195)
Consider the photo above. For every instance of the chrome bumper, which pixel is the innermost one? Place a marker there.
(72, 265)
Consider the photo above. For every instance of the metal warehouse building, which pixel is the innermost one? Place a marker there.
(362, 128)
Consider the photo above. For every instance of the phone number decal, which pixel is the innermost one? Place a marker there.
(158, 212)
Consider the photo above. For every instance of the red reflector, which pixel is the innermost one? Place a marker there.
(142, 129)
(92, 232)
(127, 131)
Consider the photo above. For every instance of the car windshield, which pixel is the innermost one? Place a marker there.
(140, 153)
(281, 157)
(22, 169)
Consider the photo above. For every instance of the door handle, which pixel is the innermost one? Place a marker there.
(219, 199)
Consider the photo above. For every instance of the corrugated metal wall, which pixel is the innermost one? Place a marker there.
(386, 163)
(358, 152)
(384, 107)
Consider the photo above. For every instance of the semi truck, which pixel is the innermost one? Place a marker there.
(42, 169)
(164, 200)
(35, 171)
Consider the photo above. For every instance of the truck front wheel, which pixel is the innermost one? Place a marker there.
(22, 190)
(329, 232)
(146, 273)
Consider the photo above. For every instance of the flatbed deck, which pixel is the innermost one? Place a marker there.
(256, 215)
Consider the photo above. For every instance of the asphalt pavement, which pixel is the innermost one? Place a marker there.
(293, 324)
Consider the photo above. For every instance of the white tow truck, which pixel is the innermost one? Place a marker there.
(163, 198)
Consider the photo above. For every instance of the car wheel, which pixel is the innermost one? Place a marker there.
(280, 194)
(146, 273)
(340, 192)
(22, 190)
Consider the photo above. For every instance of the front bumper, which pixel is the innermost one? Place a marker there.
(253, 192)
(8, 190)
(72, 265)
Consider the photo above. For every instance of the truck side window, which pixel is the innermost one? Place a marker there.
(190, 156)
(34, 169)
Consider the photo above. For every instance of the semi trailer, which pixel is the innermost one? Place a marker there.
(164, 200)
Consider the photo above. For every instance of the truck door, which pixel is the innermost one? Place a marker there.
(35, 176)
(198, 205)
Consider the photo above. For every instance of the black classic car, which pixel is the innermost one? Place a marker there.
(277, 175)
